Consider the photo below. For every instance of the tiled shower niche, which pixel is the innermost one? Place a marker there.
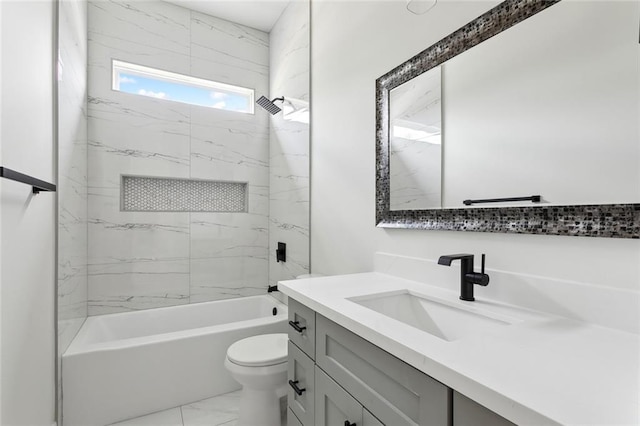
(157, 194)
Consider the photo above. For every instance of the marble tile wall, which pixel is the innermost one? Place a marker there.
(72, 170)
(289, 145)
(141, 260)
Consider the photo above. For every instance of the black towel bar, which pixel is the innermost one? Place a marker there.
(533, 199)
(37, 184)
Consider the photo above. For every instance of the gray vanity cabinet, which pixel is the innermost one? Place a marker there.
(467, 412)
(302, 326)
(334, 406)
(301, 375)
(369, 420)
(339, 376)
(292, 420)
(390, 389)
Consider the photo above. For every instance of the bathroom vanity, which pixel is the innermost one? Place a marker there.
(373, 349)
(347, 379)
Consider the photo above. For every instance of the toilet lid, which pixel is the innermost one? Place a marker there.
(259, 351)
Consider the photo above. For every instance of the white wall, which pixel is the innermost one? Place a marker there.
(27, 336)
(140, 260)
(353, 43)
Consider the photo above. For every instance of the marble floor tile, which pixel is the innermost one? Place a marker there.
(171, 417)
(219, 410)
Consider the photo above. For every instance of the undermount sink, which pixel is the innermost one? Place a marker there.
(446, 320)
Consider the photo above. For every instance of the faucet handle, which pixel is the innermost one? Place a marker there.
(479, 278)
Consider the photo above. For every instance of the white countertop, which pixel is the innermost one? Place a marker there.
(543, 370)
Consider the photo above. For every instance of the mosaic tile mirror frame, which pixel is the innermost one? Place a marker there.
(598, 220)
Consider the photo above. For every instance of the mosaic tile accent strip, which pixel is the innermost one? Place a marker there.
(151, 194)
(609, 220)
(613, 221)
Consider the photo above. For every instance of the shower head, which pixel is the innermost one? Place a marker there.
(269, 105)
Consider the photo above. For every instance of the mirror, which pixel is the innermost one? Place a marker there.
(502, 107)
(415, 148)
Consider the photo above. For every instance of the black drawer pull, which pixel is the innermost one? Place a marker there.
(346, 423)
(296, 327)
(295, 387)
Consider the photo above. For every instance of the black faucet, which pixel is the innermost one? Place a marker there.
(467, 276)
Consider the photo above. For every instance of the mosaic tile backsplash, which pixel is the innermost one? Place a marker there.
(146, 194)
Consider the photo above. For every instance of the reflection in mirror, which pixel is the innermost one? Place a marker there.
(530, 114)
(518, 101)
(521, 109)
(415, 147)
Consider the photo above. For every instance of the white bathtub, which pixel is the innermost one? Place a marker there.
(125, 365)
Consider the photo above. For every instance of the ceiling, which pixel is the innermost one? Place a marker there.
(260, 14)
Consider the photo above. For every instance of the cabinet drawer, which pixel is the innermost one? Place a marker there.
(301, 375)
(393, 391)
(469, 413)
(292, 420)
(335, 407)
(369, 420)
(302, 327)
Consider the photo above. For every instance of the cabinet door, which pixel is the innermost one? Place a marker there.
(393, 391)
(292, 420)
(369, 420)
(469, 413)
(334, 406)
(301, 386)
(302, 327)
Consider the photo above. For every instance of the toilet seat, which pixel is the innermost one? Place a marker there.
(259, 351)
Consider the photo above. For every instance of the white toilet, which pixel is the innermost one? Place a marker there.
(259, 364)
